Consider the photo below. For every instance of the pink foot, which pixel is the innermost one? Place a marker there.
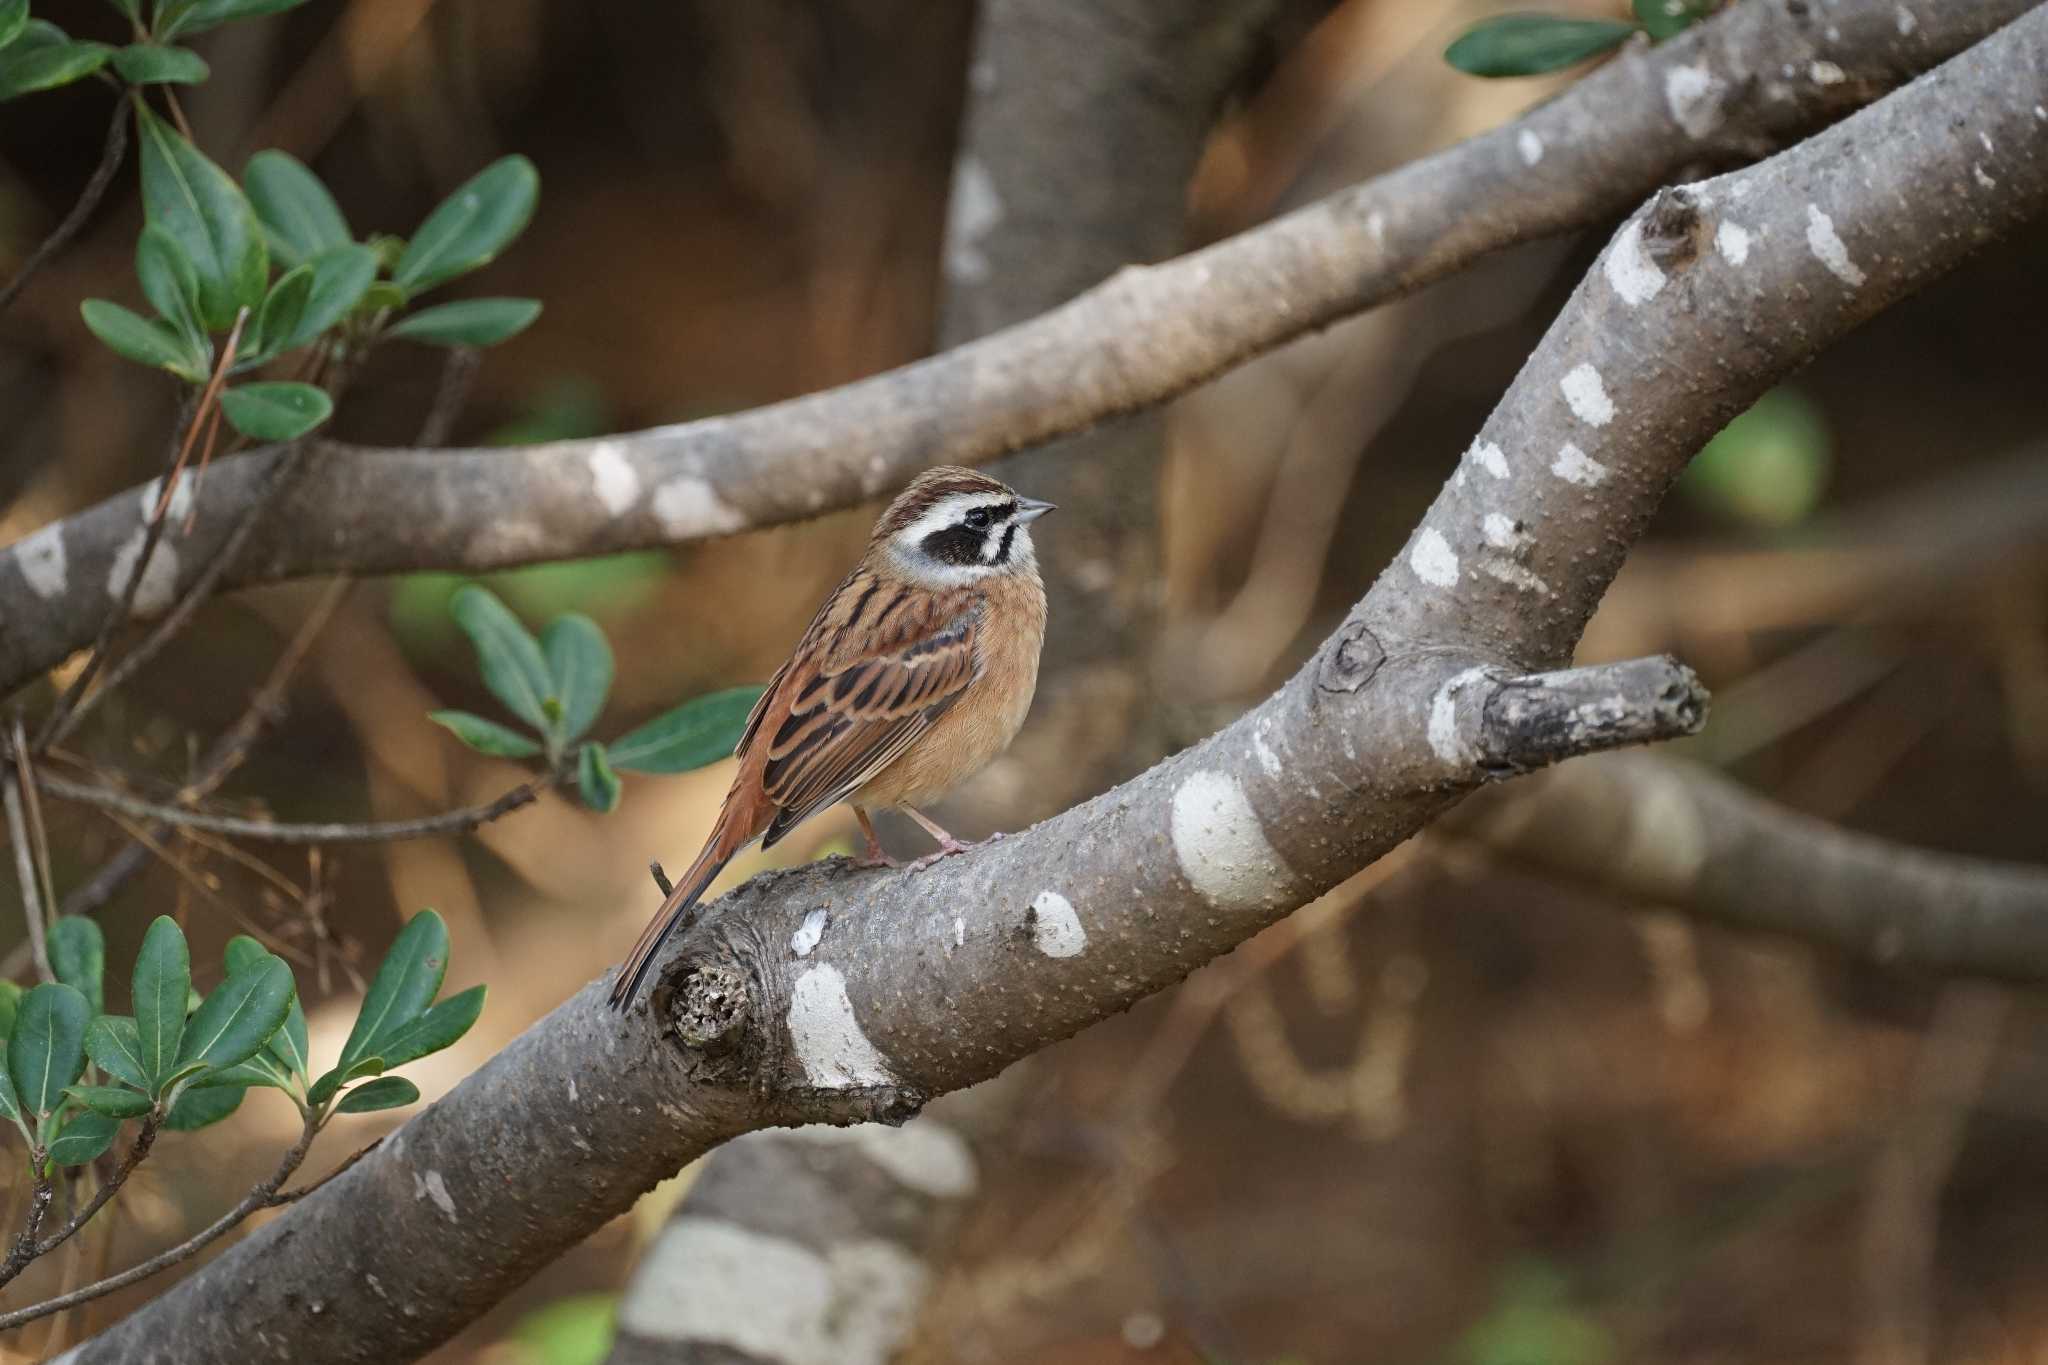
(950, 847)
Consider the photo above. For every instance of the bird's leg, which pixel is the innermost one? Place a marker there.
(872, 855)
(948, 845)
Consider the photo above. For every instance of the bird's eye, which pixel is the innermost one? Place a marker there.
(979, 518)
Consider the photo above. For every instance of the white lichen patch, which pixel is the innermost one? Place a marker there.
(1907, 23)
(1826, 73)
(1732, 241)
(1268, 760)
(1983, 176)
(1221, 847)
(181, 499)
(973, 212)
(43, 561)
(810, 932)
(1576, 466)
(1530, 146)
(1587, 396)
(1503, 533)
(835, 1053)
(922, 1155)
(959, 932)
(1693, 95)
(1055, 928)
(612, 478)
(1490, 458)
(159, 585)
(1630, 271)
(1376, 227)
(432, 1186)
(1829, 249)
(1514, 575)
(1433, 559)
(688, 507)
(1446, 740)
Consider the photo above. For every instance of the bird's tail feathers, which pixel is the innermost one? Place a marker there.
(676, 912)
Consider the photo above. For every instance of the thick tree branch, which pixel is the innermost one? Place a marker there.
(821, 995)
(1756, 75)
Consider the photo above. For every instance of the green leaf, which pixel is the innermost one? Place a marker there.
(1769, 468)
(389, 1092)
(1662, 19)
(33, 63)
(172, 288)
(297, 212)
(1529, 44)
(240, 1016)
(469, 322)
(261, 1069)
(10, 1103)
(700, 731)
(324, 1088)
(10, 1001)
(280, 411)
(595, 779)
(196, 1109)
(486, 736)
(155, 64)
(289, 1048)
(78, 955)
(143, 340)
(340, 278)
(278, 321)
(580, 662)
(405, 985)
(471, 226)
(163, 978)
(438, 1028)
(13, 19)
(83, 1138)
(513, 666)
(115, 1046)
(202, 207)
(46, 1051)
(131, 10)
(111, 1100)
(190, 18)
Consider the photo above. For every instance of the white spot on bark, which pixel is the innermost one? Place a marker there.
(1433, 559)
(1633, 275)
(572, 1090)
(1220, 845)
(1376, 227)
(43, 561)
(1826, 73)
(1984, 177)
(159, 585)
(1732, 241)
(1693, 94)
(972, 213)
(1514, 575)
(1576, 466)
(769, 1297)
(181, 499)
(1907, 23)
(1503, 534)
(959, 931)
(1530, 146)
(432, 1186)
(809, 932)
(1587, 396)
(688, 507)
(1055, 928)
(1263, 751)
(922, 1155)
(1490, 458)
(611, 474)
(1985, 138)
(1444, 739)
(828, 1039)
(1828, 248)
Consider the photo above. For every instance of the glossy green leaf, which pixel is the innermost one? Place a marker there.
(202, 207)
(471, 226)
(10, 1103)
(131, 10)
(78, 955)
(486, 736)
(83, 1137)
(172, 288)
(197, 16)
(580, 662)
(156, 64)
(289, 1048)
(241, 1015)
(340, 279)
(13, 20)
(700, 731)
(513, 667)
(337, 1077)
(163, 978)
(1529, 44)
(196, 1109)
(10, 1001)
(277, 322)
(259, 1070)
(438, 1028)
(275, 411)
(468, 322)
(111, 1100)
(596, 781)
(406, 983)
(297, 212)
(31, 63)
(1663, 19)
(143, 340)
(386, 1092)
(46, 1051)
(115, 1046)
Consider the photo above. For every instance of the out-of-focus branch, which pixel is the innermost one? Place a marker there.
(111, 153)
(1755, 75)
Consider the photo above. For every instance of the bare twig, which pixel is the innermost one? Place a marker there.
(144, 1140)
(115, 148)
(451, 395)
(25, 1242)
(15, 788)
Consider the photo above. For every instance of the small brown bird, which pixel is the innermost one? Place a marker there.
(914, 674)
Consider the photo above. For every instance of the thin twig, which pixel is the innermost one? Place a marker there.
(24, 864)
(24, 1249)
(95, 188)
(144, 1140)
(261, 1197)
(458, 372)
(293, 1196)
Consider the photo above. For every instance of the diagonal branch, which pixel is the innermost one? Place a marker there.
(1755, 76)
(822, 995)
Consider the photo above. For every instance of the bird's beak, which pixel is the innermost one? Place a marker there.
(1031, 509)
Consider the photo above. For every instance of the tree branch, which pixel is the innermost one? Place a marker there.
(821, 995)
(1717, 92)
(111, 153)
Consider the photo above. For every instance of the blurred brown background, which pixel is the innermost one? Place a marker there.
(1451, 1112)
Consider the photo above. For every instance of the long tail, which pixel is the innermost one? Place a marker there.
(675, 911)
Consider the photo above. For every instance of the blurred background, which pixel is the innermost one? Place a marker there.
(1453, 1112)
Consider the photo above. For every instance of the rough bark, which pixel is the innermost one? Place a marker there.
(1757, 75)
(823, 995)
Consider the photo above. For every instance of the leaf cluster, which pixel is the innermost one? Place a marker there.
(1529, 44)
